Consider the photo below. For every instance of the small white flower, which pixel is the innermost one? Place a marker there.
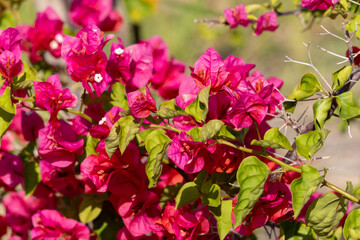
(59, 38)
(94, 30)
(119, 51)
(98, 78)
(102, 120)
(53, 45)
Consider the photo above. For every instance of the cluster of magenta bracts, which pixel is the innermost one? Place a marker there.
(238, 97)
(268, 21)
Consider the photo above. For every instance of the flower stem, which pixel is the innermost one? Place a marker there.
(288, 167)
(165, 127)
(83, 115)
(24, 99)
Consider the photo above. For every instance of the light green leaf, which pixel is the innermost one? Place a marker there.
(91, 144)
(321, 108)
(7, 111)
(168, 109)
(325, 213)
(141, 136)
(26, 78)
(112, 141)
(139, 9)
(128, 130)
(118, 96)
(341, 76)
(200, 107)
(195, 133)
(169, 194)
(346, 106)
(156, 145)
(31, 177)
(273, 138)
(309, 143)
(296, 231)
(344, 3)
(223, 218)
(211, 129)
(91, 207)
(303, 187)
(308, 86)
(251, 176)
(353, 26)
(188, 193)
(352, 225)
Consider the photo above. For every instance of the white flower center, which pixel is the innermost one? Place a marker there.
(53, 45)
(119, 51)
(59, 38)
(98, 78)
(102, 120)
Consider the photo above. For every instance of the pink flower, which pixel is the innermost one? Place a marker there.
(141, 103)
(85, 59)
(11, 170)
(95, 12)
(318, 4)
(247, 108)
(132, 65)
(50, 224)
(50, 96)
(237, 16)
(60, 179)
(209, 70)
(103, 128)
(58, 144)
(266, 22)
(31, 123)
(45, 35)
(184, 223)
(189, 155)
(225, 158)
(19, 209)
(10, 40)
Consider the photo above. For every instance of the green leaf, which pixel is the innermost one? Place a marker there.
(91, 144)
(128, 130)
(344, 3)
(325, 213)
(309, 143)
(91, 207)
(308, 86)
(352, 225)
(211, 129)
(346, 106)
(156, 145)
(7, 110)
(321, 108)
(195, 133)
(118, 96)
(341, 76)
(273, 138)
(251, 176)
(168, 109)
(27, 153)
(141, 136)
(188, 193)
(112, 141)
(200, 107)
(31, 177)
(212, 196)
(353, 26)
(296, 231)
(303, 187)
(228, 133)
(26, 78)
(223, 218)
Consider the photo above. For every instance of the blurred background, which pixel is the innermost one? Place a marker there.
(173, 20)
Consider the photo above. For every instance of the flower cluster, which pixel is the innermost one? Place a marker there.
(239, 16)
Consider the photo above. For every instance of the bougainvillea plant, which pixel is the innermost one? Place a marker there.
(147, 151)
